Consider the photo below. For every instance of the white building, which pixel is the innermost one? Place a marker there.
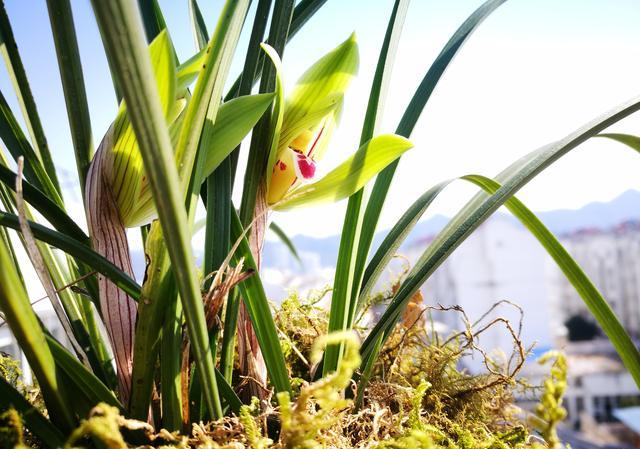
(611, 259)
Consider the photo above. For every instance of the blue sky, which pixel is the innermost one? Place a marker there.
(532, 73)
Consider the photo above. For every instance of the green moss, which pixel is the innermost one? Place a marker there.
(11, 430)
(101, 430)
(550, 411)
(10, 371)
(417, 398)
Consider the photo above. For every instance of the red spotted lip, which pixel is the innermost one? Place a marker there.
(305, 166)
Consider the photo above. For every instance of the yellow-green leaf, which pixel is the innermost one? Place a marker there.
(188, 71)
(351, 175)
(127, 177)
(234, 121)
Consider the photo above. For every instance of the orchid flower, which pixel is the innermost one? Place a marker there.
(310, 115)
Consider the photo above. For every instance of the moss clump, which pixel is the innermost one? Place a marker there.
(10, 371)
(11, 430)
(418, 397)
(301, 323)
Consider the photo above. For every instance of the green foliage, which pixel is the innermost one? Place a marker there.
(320, 404)
(251, 430)
(101, 428)
(550, 410)
(11, 372)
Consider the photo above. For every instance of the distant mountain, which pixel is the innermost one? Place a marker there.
(323, 251)
(594, 215)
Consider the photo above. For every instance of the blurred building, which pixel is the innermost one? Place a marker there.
(611, 259)
(599, 391)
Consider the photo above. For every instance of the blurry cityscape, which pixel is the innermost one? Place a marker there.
(502, 271)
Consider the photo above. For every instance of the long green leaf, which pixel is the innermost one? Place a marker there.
(35, 421)
(152, 18)
(250, 71)
(394, 239)
(25, 327)
(226, 391)
(78, 250)
(254, 178)
(234, 121)
(593, 299)
(351, 175)
(171, 367)
(253, 294)
(18, 145)
(481, 207)
(84, 381)
(302, 13)
(75, 95)
(198, 26)
(631, 141)
(347, 278)
(410, 118)
(18, 76)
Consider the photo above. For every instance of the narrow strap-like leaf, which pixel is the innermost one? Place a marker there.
(351, 256)
(631, 141)
(593, 299)
(394, 238)
(199, 28)
(171, 360)
(75, 95)
(302, 13)
(18, 145)
(25, 96)
(26, 329)
(85, 382)
(43, 204)
(152, 18)
(412, 114)
(226, 391)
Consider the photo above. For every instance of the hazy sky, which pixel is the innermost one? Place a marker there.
(532, 73)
